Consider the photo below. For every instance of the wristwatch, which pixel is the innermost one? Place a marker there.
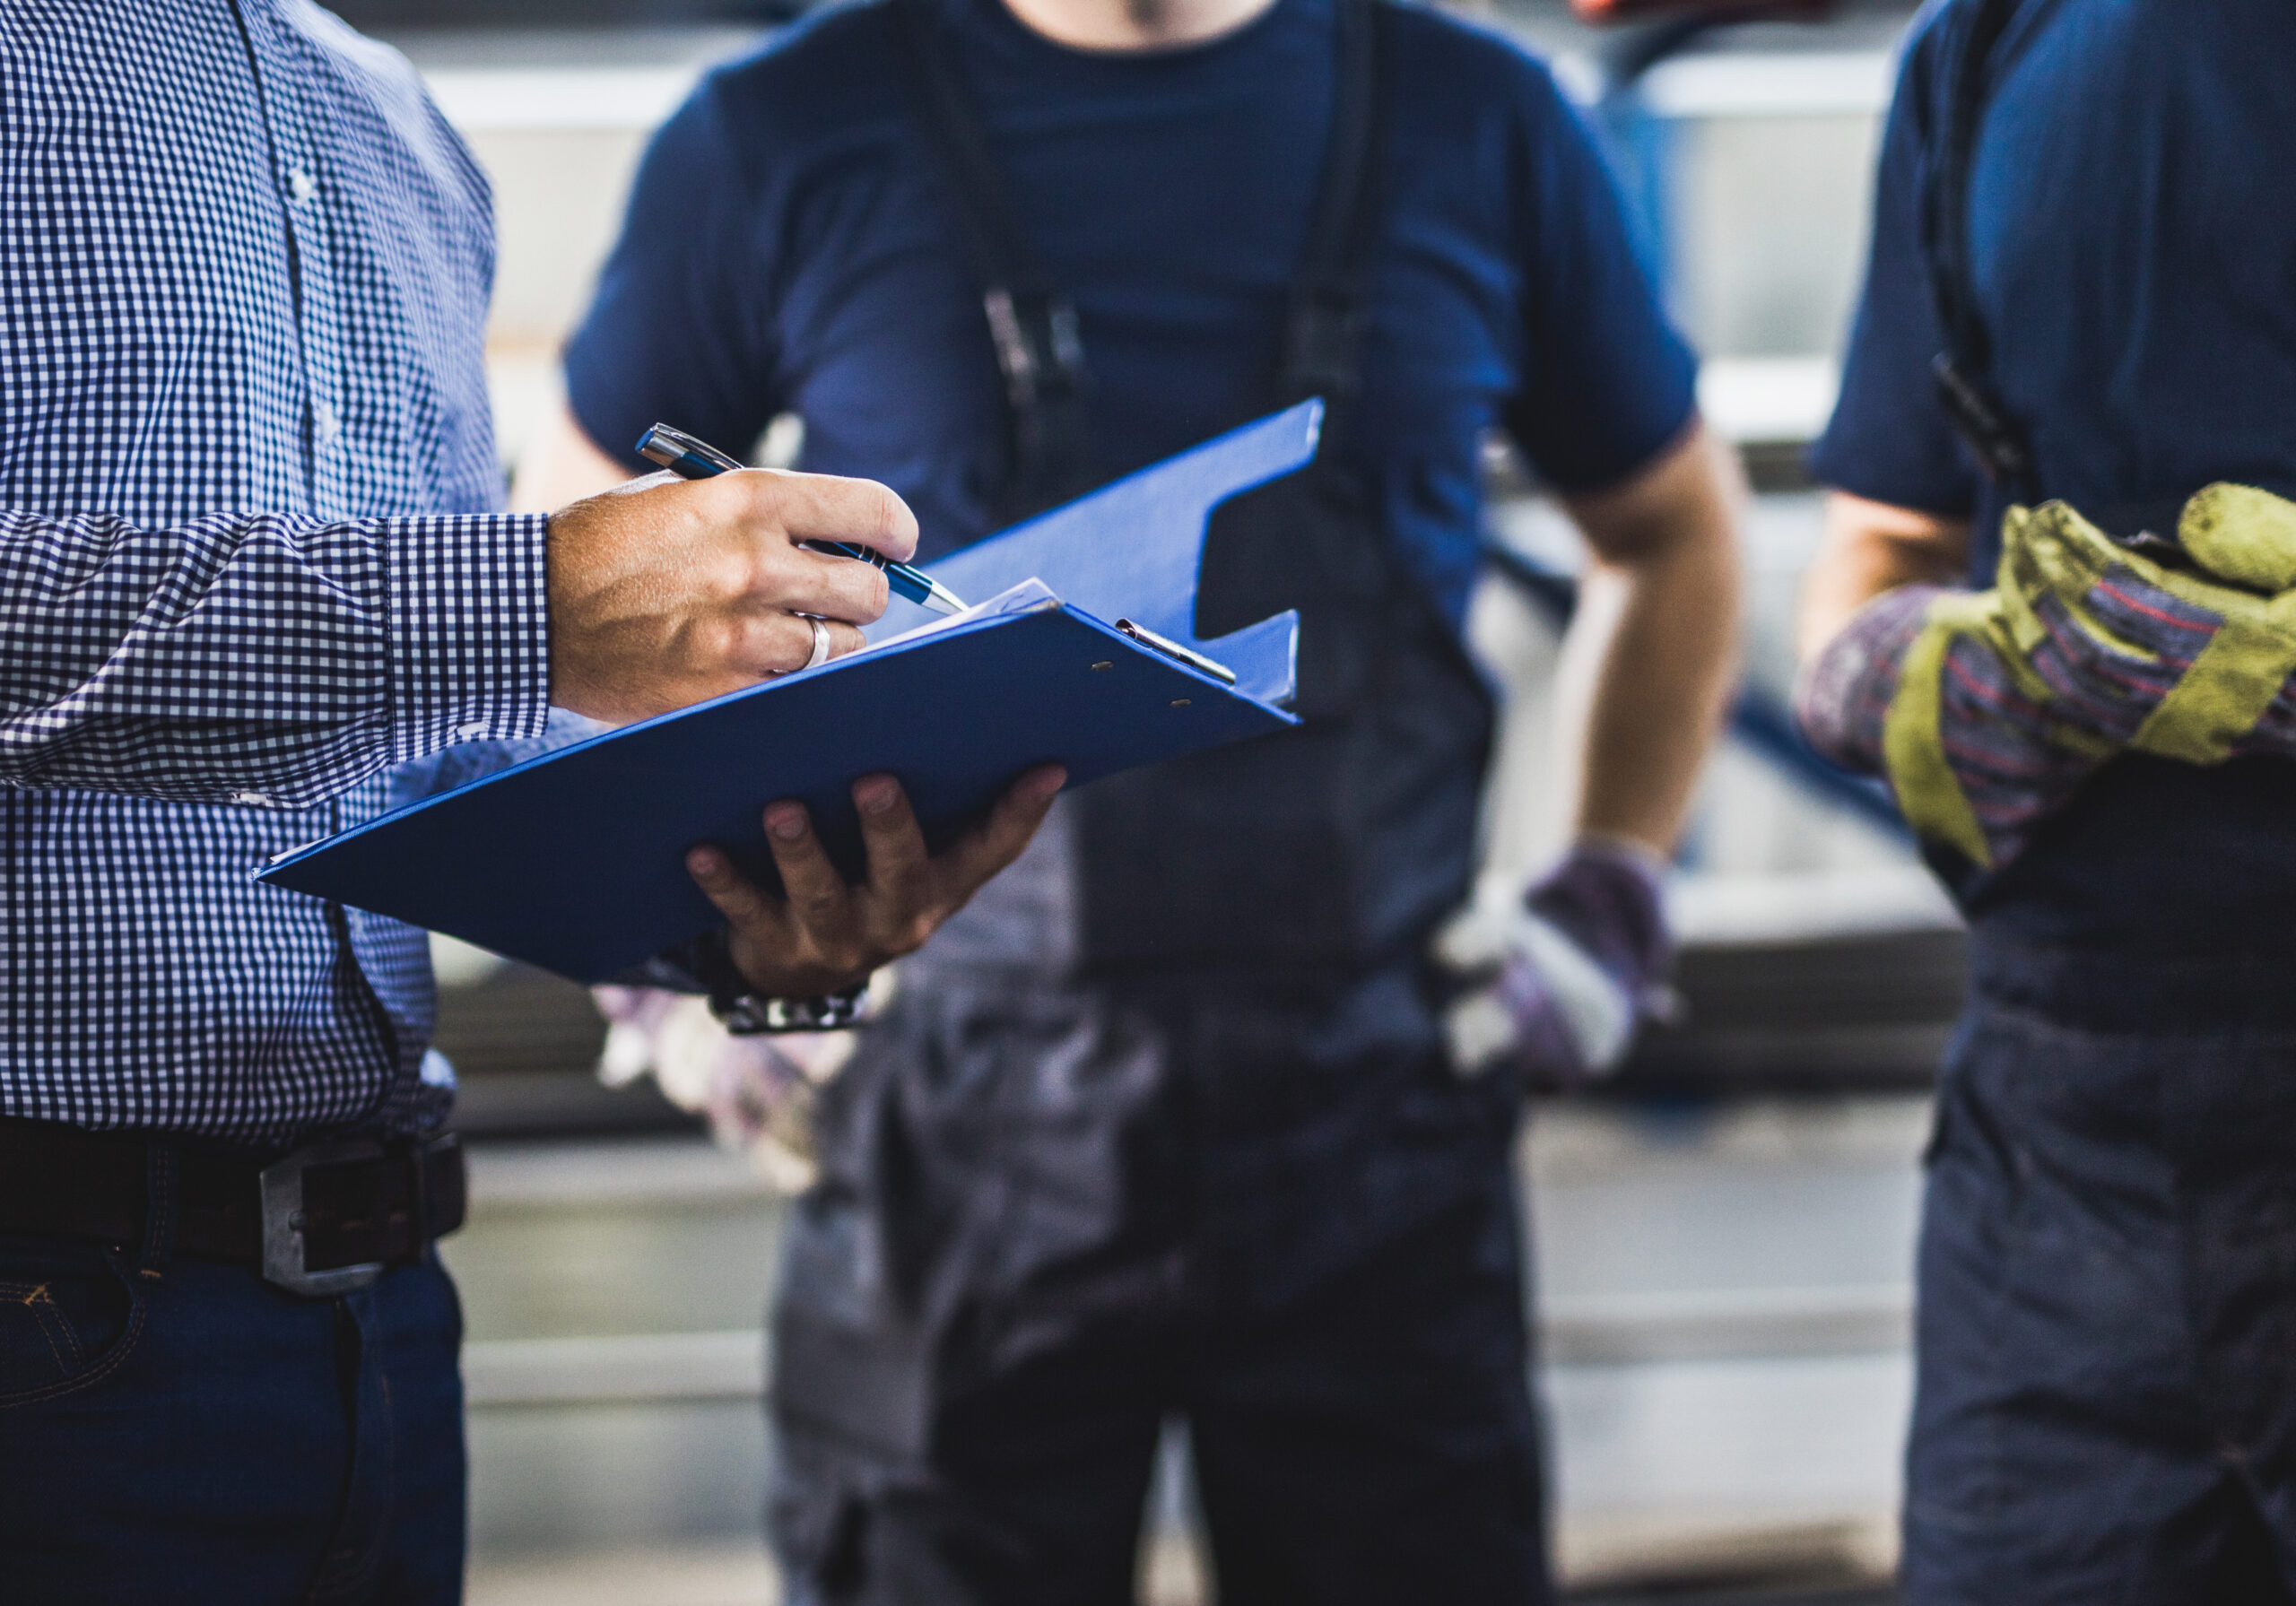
(753, 1015)
(746, 1013)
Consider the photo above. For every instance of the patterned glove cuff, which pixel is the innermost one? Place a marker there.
(1608, 897)
(1841, 699)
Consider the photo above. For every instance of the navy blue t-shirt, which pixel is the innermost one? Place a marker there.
(790, 247)
(2134, 253)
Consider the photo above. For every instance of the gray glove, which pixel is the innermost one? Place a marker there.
(1563, 979)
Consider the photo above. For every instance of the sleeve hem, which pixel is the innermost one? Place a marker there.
(469, 633)
(1838, 468)
(1631, 463)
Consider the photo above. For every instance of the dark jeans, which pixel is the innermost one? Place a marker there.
(2106, 1398)
(1048, 1220)
(177, 1430)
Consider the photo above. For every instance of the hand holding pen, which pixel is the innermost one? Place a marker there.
(664, 593)
(693, 459)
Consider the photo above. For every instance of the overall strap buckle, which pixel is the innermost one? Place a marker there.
(1986, 428)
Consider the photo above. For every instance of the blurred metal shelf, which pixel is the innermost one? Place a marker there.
(1860, 1012)
(513, 1019)
(563, 1103)
(620, 1369)
(1863, 1012)
(1723, 1310)
(721, 1573)
(524, 1043)
(1816, 1016)
(1651, 1325)
(1777, 1594)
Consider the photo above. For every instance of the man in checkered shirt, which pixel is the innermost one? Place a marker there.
(247, 565)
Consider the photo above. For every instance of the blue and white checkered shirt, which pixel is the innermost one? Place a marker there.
(246, 561)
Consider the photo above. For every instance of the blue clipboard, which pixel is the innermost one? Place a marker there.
(575, 860)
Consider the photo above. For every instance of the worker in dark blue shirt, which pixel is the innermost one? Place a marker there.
(1169, 1125)
(2071, 382)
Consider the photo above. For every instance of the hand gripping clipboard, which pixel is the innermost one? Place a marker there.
(575, 860)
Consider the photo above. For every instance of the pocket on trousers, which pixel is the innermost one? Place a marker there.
(67, 1320)
(818, 1524)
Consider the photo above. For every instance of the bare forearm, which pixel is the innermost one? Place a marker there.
(1658, 632)
(1660, 685)
(1870, 548)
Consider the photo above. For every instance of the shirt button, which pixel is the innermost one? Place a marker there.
(253, 800)
(301, 184)
(325, 425)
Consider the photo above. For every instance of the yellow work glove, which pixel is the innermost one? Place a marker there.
(1987, 710)
(2152, 656)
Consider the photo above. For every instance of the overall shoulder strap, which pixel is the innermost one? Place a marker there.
(1323, 323)
(1963, 370)
(1032, 324)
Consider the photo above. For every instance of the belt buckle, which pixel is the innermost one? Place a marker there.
(282, 1223)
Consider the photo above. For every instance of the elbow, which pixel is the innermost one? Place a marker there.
(1869, 548)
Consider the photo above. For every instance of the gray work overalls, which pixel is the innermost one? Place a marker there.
(1161, 1123)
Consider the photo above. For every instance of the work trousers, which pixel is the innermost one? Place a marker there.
(2106, 1406)
(178, 1430)
(1049, 1220)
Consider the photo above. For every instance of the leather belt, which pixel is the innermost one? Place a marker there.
(318, 1221)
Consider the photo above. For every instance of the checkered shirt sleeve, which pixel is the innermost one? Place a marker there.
(248, 556)
(261, 660)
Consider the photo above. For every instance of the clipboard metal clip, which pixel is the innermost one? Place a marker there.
(1174, 650)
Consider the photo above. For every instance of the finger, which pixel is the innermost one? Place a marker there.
(900, 871)
(745, 908)
(843, 638)
(829, 586)
(819, 903)
(776, 644)
(998, 841)
(761, 573)
(830, 508)
(761, 568)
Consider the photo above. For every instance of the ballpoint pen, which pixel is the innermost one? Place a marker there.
(693, 459)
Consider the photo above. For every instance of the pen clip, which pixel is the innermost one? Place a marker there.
(1173, 649)
(684, 454)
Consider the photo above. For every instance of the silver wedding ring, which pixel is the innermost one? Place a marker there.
(820, 644)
